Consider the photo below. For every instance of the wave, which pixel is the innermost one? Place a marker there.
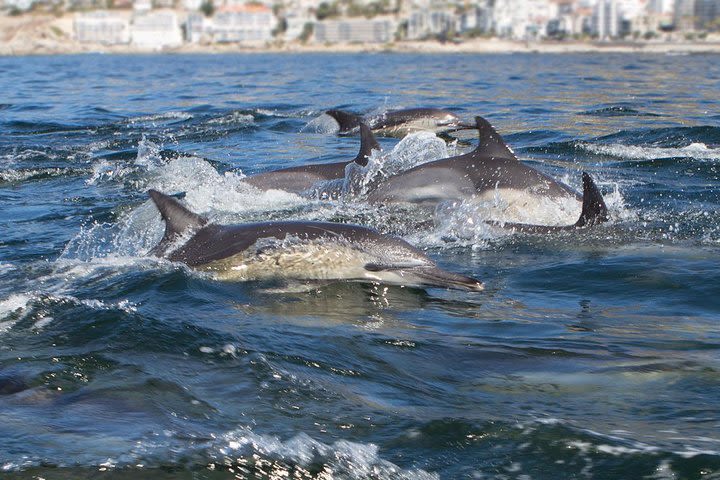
(618, 111)
(696, 151)
(166, 118)
(700, 143)
(244, 452)
(32, 174)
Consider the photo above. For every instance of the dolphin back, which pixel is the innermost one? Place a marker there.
(178, 220)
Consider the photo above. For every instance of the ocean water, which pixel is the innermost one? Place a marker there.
(592, 354)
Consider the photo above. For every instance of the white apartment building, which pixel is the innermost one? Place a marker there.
(192, 5)
(244, 23)
(101, 27)
(427, 23)
(522, 19)
(606, 19)
(296, 25)
(197, 28)
(21, 5)
(355, 30)
(156, 30)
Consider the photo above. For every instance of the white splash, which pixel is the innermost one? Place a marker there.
(323, 124)
(414, 149)
(342, 459)
(17, 303)
(160, 117)
(233, 118)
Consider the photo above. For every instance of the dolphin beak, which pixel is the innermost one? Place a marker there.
(437, 277)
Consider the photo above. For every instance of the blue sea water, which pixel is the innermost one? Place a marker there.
(592, 354)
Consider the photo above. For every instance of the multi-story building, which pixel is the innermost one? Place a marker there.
(101, 27)
(355, 30)
(156, 30)
(295, 25)
(196, 28)
(477, 18)
(685, 15)
(244, 23)
(707, 15)
(522, 19)
(606, 20)
(429, 23)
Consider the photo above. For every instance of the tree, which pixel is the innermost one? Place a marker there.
(207, 8)
(327, 10)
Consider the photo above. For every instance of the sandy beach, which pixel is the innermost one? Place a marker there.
(44, 34)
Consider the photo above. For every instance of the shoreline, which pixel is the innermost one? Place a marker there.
(30, 35)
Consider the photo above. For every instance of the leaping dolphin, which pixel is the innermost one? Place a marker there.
(398, 123)
(489, 172)
(287, 250)
(304, 177)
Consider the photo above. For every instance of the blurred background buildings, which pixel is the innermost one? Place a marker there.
(167, 23)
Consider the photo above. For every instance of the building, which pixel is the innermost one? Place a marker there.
(355, 30)
(101, 27)
(606, 20)
(476, 18)
(707, 15)
(156, 30)
(197, 28)
(431, 23)
(523, 19)
(295, 25)
(684, 18)
(192, 5)
(244, 23)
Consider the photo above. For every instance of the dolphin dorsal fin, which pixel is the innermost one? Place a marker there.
(368, 143)
(491, 143)
(594, 210)
(178, 219)
(347, 121)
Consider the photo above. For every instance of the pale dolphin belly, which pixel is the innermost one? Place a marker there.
(307, 260)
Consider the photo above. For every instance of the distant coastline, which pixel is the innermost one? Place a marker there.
(53, 35)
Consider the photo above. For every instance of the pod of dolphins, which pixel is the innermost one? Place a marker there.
(323, 251)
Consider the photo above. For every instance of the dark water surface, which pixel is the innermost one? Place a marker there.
(591, 355)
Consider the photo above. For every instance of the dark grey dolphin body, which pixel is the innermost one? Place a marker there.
(297, 251)
(489, 171)
(304, 177)
(398, 123)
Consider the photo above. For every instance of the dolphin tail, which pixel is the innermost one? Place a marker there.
(490, 142)
(347, 121)
(178, 220)
(594, 210)
(368, 143)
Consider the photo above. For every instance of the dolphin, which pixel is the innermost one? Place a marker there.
(304, 177)
(489, 172)
(398, 123)
(296, 250)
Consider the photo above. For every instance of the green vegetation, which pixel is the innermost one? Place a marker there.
(372, 9)
(207, 8)
(307, 32)
(281, 27)
(327, 10)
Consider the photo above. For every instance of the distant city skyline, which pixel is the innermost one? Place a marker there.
(168, 23)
